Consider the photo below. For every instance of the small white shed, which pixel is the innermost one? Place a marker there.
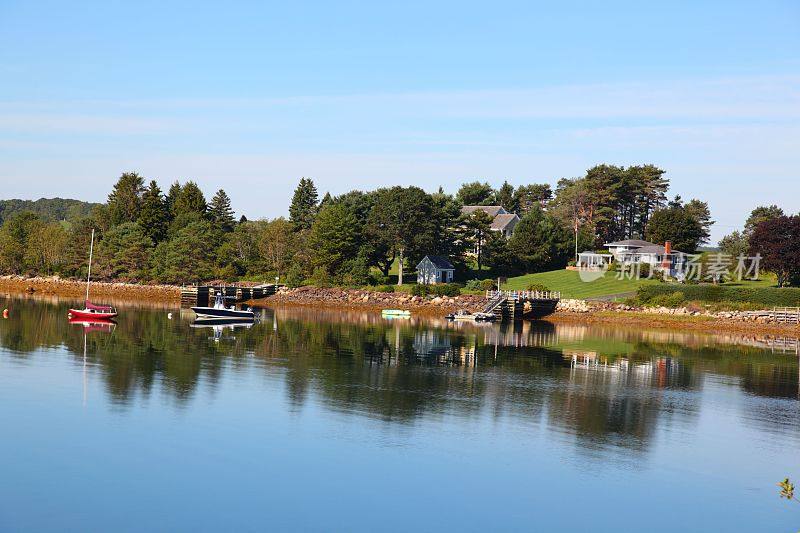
(434, 269)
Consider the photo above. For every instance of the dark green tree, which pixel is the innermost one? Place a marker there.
(188, 256)
(540, 242)
(172, 198)
(526, 197)
(190, 200)
(125, 198)
(124, 253)
(400, 224)
(761, 214)
(735, 244)
(477, 230)
(701, 212)
(154, 215)
(220, 212)
(334, 238)
(475, 193)
(505, 197)
(303, 208)
(677, 225)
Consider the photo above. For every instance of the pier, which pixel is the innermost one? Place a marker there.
(519, 305)
(203, 295)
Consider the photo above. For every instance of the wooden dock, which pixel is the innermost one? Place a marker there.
(519, 305)
(782, 315)
(203, 295)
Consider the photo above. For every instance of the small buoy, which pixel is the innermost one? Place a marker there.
(5, 313)
(169, 316)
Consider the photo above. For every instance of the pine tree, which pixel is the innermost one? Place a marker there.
(190, 201)
(125, 199)
(504, 196)
(154, 215)
(220, 212)
(172, 198)
(304, 205)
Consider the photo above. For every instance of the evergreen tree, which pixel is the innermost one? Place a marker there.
(220, 212)
(334, 237)
(475, 193)
(304, 205)
(172, 197)
(153, 216)
(506, 198)
(190, 200)
(526, 197)
(701, 212)
(125, 199)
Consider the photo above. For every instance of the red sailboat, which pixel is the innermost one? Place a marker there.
(92, 312)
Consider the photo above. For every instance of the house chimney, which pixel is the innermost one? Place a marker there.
(666, 263)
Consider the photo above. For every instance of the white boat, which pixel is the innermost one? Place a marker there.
(218, 310)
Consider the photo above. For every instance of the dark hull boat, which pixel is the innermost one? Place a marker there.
(219, 311)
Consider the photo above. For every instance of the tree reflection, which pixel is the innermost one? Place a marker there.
(606, 386)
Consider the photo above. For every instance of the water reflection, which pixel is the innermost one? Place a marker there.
(604, 386)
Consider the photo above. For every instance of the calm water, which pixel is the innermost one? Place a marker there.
(325, 421)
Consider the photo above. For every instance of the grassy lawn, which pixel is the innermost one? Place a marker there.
(569, 283)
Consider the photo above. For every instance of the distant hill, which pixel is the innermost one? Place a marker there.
(50, 209)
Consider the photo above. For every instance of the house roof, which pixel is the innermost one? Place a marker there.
(502, 221)
(439, 262)
(630, 242)
(654, 249)
(491, 210)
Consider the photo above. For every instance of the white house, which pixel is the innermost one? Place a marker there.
(655, 255)
(434, 269)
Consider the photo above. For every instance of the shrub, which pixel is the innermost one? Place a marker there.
(763, 296)
(446, 289)
(384, 288)
(488, 284)
(474, 285)
(419, 290)
(676, 299)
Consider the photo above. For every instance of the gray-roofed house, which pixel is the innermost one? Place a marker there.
(655, 255)
(434, 269)
(502, 221)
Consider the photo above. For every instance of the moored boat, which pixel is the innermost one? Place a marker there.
(218, 310)
(90, 311)
(396, 312)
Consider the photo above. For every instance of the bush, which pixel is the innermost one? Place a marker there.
(763, 296)
(676, 299)
(488, 284)
(419, 290)
(384, 288)
(446, 289)
(474, 285)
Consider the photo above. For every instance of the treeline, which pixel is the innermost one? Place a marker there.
(770, 233)
(358, 238)
(48, 209)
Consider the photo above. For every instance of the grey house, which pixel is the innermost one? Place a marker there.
(434, 269)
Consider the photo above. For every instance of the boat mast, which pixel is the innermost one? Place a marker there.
(89, 275)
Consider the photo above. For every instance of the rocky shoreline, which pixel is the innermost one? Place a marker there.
(72, 288)
(372, 300)
(568, 310)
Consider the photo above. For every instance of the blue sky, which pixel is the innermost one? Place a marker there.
(252, 96)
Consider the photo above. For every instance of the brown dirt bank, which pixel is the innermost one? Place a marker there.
(72, 288)
(372, 301)
(705, 324)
